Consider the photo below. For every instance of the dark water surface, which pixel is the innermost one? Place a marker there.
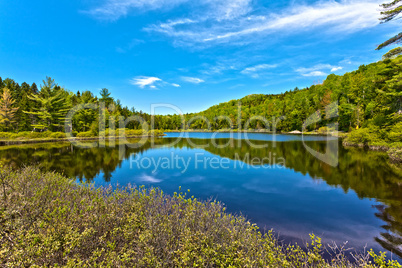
(281, 186)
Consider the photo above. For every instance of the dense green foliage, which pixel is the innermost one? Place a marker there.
(47, 220)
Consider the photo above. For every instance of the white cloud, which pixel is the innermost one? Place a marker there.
(148, 178)
(315, 73)
(318, 70)
(341, 17)
(336, 69)
(193, 80)
(253, 71)
(150, 82)
(145, 81)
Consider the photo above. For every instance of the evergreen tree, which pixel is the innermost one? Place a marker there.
(23, 119)
(53, 106)
(105, 97)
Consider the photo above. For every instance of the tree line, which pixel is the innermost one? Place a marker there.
(26, 108)
(370, 97)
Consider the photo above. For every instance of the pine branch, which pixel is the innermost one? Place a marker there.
(396, 39)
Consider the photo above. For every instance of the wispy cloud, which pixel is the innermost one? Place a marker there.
(318, 70)
(114, 9)
(243, 21)
(219, 68)
(254, 70)
(217, 9)
(133, 43)
(175, 85)
(342, 17)
(193, 80)
(145, 81)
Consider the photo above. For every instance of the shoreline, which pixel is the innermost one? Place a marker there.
(247, 131)
(394, 153)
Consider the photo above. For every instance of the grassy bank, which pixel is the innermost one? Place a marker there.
(47, 220)
(8, 138)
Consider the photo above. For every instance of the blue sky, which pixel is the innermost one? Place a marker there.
(192, 54)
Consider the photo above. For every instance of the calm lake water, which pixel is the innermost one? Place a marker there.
(275, 185)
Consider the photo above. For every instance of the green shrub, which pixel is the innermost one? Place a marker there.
(322, 130)
(87, 134)
(46, 220)
(58, 135)
(155, 132)
(135, 132)
(395, 133)
(5, 135)
(39, 135)
(364, 136)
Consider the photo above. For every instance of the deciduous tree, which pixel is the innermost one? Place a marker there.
(7, 109)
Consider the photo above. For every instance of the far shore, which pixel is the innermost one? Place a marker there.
(262, 131)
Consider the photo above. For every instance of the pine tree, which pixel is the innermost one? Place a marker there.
(52, 106)
(105, 97)
(7, 111)
(23, 120)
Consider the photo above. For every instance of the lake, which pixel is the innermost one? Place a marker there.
(278, 185)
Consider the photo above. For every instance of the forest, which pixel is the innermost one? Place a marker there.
(369, 106)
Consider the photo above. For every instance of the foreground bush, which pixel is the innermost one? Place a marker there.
(47, 220)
